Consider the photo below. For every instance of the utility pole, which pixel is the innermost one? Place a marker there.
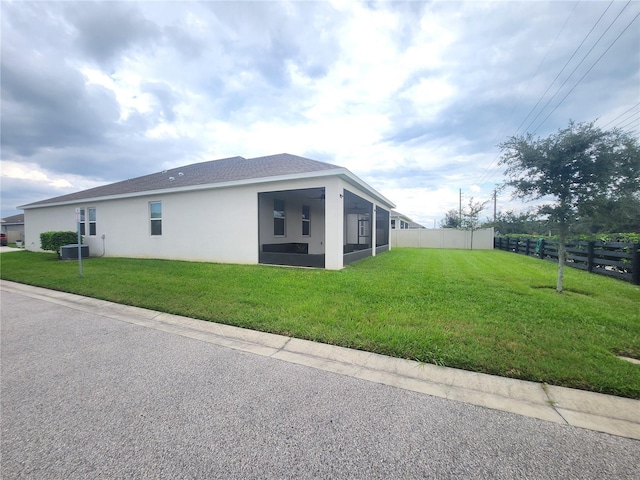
(78, 221)
(460, 211)
(494, 206)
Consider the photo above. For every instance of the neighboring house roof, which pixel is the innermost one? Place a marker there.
(393, 213)
(227, 171)
(14, 219)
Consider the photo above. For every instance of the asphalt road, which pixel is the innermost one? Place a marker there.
(84, 396)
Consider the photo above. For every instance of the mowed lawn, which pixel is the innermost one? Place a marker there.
(486, 311)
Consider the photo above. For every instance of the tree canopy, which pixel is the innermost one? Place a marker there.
(574, 172)
(451, 219)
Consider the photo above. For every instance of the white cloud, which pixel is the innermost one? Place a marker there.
(13, 170)
(430, 96)
(411, 96)
(34, 173)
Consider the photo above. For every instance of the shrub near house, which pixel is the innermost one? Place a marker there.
(52, 241)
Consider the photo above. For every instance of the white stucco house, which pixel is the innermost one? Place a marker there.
(400, 221)
(13, 228)
(280, 209)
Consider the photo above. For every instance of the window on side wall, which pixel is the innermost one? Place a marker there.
(393, 224)
(82, 220)
(279, 218)
(306, 221)
(155, 213)
(92, 221)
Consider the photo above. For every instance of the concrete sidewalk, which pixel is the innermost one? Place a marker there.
(9, 249)
(603, 413)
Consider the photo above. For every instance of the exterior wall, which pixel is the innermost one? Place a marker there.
(334, 213)
(442, 238)
(14, 232)
(41, 220)
(401, 223)
(209, 225)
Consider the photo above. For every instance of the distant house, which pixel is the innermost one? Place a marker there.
(279, 209)
(402, 222)
(13, 227)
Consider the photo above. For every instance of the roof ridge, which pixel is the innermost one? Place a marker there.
(210, 172)
(293, 156)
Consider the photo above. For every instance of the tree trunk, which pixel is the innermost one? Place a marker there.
(562, 255)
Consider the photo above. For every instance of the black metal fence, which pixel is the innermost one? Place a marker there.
(614, 259)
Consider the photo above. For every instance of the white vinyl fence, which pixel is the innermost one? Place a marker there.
(442, 238)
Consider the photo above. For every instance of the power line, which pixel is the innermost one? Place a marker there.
(485, 176)
(577, 66)
(628, 123)
(623, 113)
(565, 66)
(587, 72)
(617, 125)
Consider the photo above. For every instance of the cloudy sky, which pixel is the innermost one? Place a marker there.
(412, 97)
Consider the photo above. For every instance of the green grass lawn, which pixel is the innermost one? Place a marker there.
(486, 311)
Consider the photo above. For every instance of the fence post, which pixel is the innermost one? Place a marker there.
(542, 242)
(590, 248)
(635, 269)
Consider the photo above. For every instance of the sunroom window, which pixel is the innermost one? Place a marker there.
(279, 218)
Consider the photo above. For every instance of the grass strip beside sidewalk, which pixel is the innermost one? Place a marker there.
(487, 311)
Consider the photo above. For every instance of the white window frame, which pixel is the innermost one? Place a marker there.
(83, 219)
(306, 220)
(92, 222)
(277, 217)
(155, 219)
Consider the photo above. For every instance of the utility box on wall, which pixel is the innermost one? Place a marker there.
(70, 252)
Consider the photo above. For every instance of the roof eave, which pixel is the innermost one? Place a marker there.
(354, 180)
(342, 172)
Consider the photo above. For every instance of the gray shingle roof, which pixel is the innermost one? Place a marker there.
(19, 218)
(205, 173)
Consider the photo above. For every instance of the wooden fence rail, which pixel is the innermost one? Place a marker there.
(614, 259)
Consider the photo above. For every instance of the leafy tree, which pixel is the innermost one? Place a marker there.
(471, 216)
(510, 222)
(573, 171)
(451, 219)
(612, 215)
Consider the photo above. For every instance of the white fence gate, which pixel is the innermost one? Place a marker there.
(442, 238)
